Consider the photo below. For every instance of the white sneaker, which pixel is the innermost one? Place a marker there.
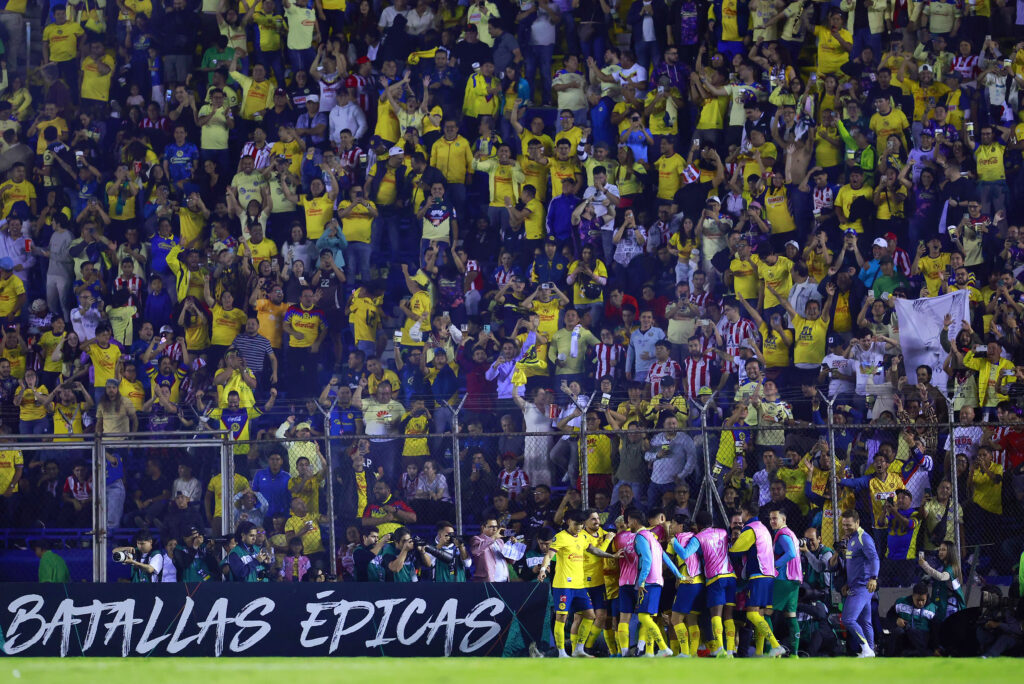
(866, 652)
(563, 654)
(534, 651)
(683, 655)
(778, 652)
(579, 652)
(647, 654)
(665, 653)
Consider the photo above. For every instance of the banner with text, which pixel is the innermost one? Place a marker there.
(302, 619)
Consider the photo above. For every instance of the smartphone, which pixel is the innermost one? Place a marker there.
(167, 95)
(980, 349)
(464, 327)
(363, 159)
(606, 398)
(487, 329)
(446, 314)
(696, 142)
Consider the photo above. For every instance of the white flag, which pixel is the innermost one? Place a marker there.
(920, 325)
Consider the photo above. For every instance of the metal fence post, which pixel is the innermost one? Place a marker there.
(953, 480)
(332, 533)
(227, 485)
(581, 453)
(833, 477)
(457, 463)
(99, 510)
(708, 486)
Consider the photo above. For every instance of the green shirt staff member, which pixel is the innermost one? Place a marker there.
(52, 567)
(193, 557)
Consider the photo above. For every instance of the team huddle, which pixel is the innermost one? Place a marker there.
(605, 577)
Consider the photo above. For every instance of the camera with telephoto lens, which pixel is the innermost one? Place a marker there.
(803, 542)
(419, 542)
(122, 556)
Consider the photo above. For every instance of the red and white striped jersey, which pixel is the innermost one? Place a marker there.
(134, 287)
(357, 86)
(701, 299)
(901, 260)
(999, 455)
(80, 490)
(607, 358)
(735, 334)
(697, 373)
(823, 199)
(663, 369)
(350, 162)
(513, 482)
(657, 236)
(966, 66)
(260, 155)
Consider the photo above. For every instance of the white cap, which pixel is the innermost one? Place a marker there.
(880, 242)
(313, 98)
(714, 198)
(396, 151)
(794, 243)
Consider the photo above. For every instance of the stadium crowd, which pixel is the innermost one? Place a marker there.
(247, 217)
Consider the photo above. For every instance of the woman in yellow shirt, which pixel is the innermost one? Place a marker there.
(29, 398)
(20, 98)
(629, 177)
(226, 324)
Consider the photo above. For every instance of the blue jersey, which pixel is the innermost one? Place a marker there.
(180, 159)
(343, 421)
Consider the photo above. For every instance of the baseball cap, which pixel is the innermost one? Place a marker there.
(880, 242)
(704, 392)
(833, 340)
(191, 530)
(396, 151)
(281, 91)
(313, 98)
(304, 425)
(421, 279)
(111, 382)
(363, 60)
(38, 305)
(714, 198)
(890, 236)
(925, 67)
(7, 263)
(166, 329)
(792, 242)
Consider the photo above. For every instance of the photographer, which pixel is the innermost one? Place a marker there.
(999, 627)
(194, 557)
(399, 557)
(448, 558)
(366, 558)
(147, 563)
(247, 562)
(488, 558)
(817, 571)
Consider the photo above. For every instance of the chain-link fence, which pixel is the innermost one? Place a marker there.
(290, 480)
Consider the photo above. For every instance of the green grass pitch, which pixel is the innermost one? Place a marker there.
(498, 671)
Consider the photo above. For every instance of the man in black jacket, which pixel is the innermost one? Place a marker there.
(177, 37)
(354, 486)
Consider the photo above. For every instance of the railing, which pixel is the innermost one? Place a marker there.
(336, 449)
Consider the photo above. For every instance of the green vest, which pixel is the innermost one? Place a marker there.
(450, 572)
(240, 551)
